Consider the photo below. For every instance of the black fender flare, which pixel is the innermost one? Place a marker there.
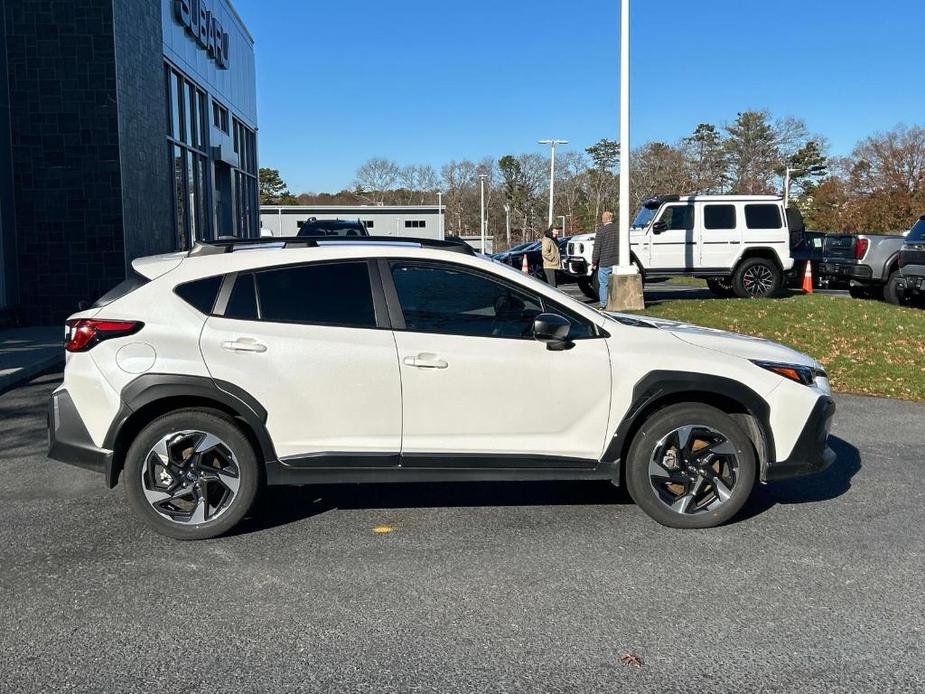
(149, 389)
(667, 387)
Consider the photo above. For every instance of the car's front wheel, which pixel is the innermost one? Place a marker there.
(690, 466)
(191, 474)
(721, 287)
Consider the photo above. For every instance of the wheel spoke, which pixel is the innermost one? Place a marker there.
(199, 513)
(207, 442)
(684, 502)
(684, 435)
(157, 496)
(722, 491)
(720, 447)
(663, 474)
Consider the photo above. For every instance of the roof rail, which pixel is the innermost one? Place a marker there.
(229, 245)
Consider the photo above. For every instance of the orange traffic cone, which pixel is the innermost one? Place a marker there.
(808, 278)
(524, 266)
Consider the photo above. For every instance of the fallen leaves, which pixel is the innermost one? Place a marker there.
(630, 658)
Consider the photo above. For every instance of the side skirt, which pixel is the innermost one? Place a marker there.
(280, 474)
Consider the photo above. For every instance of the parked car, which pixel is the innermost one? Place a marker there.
(870, 262)
(212, 372)
(333, 227)
(809, 248)
(534, 252)
(739, 244)
(911, 283)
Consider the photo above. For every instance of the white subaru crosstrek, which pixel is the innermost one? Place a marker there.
(210, 373)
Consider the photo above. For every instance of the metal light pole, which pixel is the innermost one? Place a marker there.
(482, 178)
(787, 187)
(440, 233)
(625, 267)
(507, 222)
(552, 171)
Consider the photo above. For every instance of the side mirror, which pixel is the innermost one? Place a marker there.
(552, 329)
(659, 227)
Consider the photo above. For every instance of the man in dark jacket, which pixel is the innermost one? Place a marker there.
(606, 253)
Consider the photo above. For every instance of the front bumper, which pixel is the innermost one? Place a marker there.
(576, 265)
(811, 453)
(854, 271)
(68, 438)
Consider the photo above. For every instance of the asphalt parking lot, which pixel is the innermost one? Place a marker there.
(669, 291)
(817, 586)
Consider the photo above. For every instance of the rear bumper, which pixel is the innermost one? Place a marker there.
(848, 270)
(811, 453)
(68, 438)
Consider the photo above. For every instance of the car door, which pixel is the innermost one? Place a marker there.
(673, 248)
(313, 352)
(721, 236)
(478, 390)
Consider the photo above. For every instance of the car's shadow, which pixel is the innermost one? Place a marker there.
(280, 506)
(828, 484)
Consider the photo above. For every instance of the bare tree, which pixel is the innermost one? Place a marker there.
(375, 177)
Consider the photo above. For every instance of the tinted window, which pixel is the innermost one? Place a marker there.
(917, 233)
(458, 302)
(243, 301)
(762, 217)
(332, 227)
(201, 293)
(678, 217)
(719, 216)
(324, 294)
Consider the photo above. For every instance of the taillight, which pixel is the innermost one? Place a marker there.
(860, 248)
(85, 333)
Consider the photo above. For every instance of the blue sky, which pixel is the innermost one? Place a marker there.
(424, 82)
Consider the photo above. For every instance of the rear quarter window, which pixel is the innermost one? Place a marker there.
(126, 286)
(763, 217)
(200, 294)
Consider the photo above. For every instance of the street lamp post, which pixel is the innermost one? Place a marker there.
(507, 222)
(482, 178)
(440, 214)
(552, 171)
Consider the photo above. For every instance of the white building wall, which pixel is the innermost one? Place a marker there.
(418, 221)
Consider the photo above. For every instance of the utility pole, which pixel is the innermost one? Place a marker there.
(552, 171)
(484, 225)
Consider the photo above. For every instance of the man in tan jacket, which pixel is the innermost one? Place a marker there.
(551, 260)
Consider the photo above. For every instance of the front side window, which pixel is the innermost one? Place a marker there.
(678, 217)
(337, 294)
(762, 217)
(459, 302)
(719, 217)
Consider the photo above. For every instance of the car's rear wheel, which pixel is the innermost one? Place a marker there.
(892, 293)
(721, 287)
(191, 474)
(690, 466)
(756, 278)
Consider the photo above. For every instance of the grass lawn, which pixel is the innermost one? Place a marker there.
(688, 281)
(866, 347)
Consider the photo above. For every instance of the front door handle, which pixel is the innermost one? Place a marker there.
(244, 345)
(425, 361)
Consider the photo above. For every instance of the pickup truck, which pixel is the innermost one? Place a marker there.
(912, 263)
(869, 261)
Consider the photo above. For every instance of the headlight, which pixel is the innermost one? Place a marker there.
(806, 375)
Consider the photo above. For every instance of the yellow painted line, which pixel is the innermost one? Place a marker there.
(383, 529)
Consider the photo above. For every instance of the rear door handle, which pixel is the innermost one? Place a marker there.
(425, 361)
(244, 345)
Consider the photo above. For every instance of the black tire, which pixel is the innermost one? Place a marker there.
(232, 439)
(648, 442)
(721, 287)
(756, 278)
(891, 291)
(861, 291)
(587, 288)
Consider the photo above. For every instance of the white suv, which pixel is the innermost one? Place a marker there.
(210, 373)
(740, 244)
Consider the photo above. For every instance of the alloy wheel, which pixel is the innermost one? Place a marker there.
(694, 469)
(758, 280)
(190, 477)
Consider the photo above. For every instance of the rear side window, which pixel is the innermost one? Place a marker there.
(129, 284)
(324, 294)
(719, 216)
(762, 217)
(200, 294)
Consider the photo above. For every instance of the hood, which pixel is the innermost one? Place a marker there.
(581, 237)
(734, 344)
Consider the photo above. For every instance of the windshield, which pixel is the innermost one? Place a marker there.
(332, 227)
(917, 233)
(643, 217)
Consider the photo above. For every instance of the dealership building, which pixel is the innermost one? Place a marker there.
(419, 221)
(127, 128)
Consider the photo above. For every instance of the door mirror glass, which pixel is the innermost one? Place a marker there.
(659, 227)
(552, 329)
